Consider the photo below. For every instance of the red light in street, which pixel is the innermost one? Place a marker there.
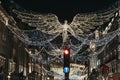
(66, 66)
(66, 51)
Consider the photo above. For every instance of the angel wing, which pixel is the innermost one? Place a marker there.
(48, 23)
(84, 23)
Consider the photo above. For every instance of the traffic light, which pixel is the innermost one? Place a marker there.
(66, 67)
(66, 54)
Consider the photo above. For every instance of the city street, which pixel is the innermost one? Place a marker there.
(59, 40)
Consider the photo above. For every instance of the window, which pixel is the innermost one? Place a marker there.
(3, 36)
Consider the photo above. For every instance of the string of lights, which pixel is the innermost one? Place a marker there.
(81, 23)
(25, 38)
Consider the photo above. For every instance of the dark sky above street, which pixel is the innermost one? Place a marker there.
(64, 8)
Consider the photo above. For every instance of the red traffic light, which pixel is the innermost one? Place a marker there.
(66, 51)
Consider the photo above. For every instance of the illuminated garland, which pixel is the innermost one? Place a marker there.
(81, 23)
(36, 38)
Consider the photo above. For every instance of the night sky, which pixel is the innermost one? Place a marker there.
(64, 9)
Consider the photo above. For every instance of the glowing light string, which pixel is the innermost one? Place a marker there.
(81, 23)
